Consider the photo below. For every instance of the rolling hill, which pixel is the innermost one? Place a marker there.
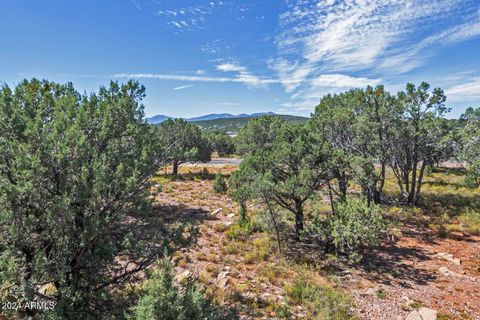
(213, 116)
(235, 124)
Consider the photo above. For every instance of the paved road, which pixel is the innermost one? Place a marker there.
(219, 162)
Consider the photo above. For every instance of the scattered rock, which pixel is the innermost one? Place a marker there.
(181, 276)
(214, 213)
(376, 292)
(48, 289)
(428, 314)
(446, 272)
(371, 292)
(222, 279)
(407, 303)
(230, 215)
(422, 314)
(414, 315)
(448, 257)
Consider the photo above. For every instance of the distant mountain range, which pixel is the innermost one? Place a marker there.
(213, 116)
(233, 125)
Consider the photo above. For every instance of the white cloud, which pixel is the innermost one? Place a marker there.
(356, 35)
(244, 76)
(247, 80)
(342, 81)
(183, 87)
(194, 17)
(322, 43)
(467, 91)
(231, 67)
(309, 96)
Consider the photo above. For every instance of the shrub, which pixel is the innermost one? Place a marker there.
(162, 299)
(322, 302)
(238, 231)
(220, 185)
(353, 226)
(259, 251)
(470, 222)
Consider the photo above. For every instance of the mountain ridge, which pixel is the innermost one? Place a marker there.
(157, 119)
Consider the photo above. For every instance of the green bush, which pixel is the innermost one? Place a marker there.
(239, 231)
(470, 222)
(321, 302)
(162, 299)
(353, 227)
(220, 185)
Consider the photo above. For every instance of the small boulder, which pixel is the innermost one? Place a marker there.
(371, 292)
(428, 314)
(445, 271)
(414, 315)
(182, 276)
(222, 279)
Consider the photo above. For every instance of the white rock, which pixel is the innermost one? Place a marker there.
(181, 276)
(445, 271)
(449, 257)
(371, 292)
(214, 213)
(414, 315)
(222, 279)
(428, 314)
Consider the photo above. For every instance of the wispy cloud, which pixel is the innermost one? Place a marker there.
(356, 35)
(244, 75)
(183, 87)
(183, 18)
(245, 79)
(467, 91)
(330, 44)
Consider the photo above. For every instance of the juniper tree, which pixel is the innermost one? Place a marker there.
(470, 152)
(220, 142)
(415, 141)
(74, 178)
(258, 134)
(296, 166)
(186, 141)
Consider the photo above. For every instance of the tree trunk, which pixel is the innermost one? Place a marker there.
(243, 211)
(378, 190)
(332, 204)
(413, 188)
(419, 184)
(342, 184)
(298, 219)
(175, 168)
(275, 225)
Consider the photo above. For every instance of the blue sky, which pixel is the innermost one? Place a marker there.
(197, 57)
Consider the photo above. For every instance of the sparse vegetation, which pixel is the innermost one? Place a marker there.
(320, 301)
(358, 192)
(351, 227)
(163, 299)
(220, 185)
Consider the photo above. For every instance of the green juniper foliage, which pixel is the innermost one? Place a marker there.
(352, 227)
(220, 142)
(186, 141)
(74, 175)
(220, 185)
(471, 145)
(163, 299)
(294, 162)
